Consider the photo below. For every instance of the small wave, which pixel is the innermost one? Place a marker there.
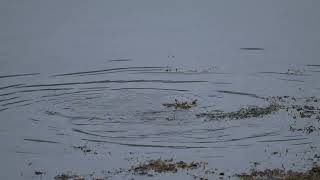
(147, 145)
(41, 141)
(161, 89)
(282, 140)
(18, 75)
(293, 80)
(11, 86)
(241, 93)
(16, 102)
(115, 81)
(119, 60)
(107, 70)
(252, 49)
(8, 99)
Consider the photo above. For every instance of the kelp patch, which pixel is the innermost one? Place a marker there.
(165, 166)
(181, 105)
(243, 113)
(279, 174)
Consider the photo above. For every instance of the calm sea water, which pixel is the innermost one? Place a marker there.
(96, 73)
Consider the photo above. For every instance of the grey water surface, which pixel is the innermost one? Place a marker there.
(96, 73)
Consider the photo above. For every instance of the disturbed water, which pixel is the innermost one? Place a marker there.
(109, 97)
(123, 121)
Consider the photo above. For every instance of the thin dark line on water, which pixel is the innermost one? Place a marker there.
(33, 119)
(283, 73)
(70, 93)
(146, 145)
(252, 49)
(16, 102)
(251, 137)
(267, 72)
(241, 93)
(18, 75)
(297, 144)
(88, 133)
(110, 131)
(95, 88)
(7, 94)
(91, 93)
(22, 105)
(11, 86)
(86, 124)
(119, 71)
(106, 70)
(161, 89)
(281, 140)
(219, 129)
(53, 113)
(24, 152)
(47, 89)
(8, 99)
(35, 90)
(119, 60)
(182, 73)
(315, 65)
(42, 141)
(3, 109)
(293, 80)
(115, 81)
(221, 83)
(244, 145)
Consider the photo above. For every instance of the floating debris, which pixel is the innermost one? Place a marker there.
(280, 174)
(307, 129)
(301, 108)
(85, 149)
(304, 108)
(165, 166)
(296, 71)
(243, 113)
(181, 105)
(289, 72)
(68, 177)
(304, 111)
(39, 173)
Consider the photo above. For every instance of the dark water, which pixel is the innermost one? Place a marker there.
(99, 78)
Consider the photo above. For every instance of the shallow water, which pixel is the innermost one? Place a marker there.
(100, 76)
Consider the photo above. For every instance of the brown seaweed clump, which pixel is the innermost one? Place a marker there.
(68, 177)
(306, 111)
(243, 113)
(279, 174)
(164, 166)
(307, 129)
(181, 105)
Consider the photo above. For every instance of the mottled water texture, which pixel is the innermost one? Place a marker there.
(83, 86)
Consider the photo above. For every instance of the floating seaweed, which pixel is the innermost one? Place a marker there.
(307, 129)
(165, 166)
(68, 177)
(85, 149)
(280, 174)
(243, 113)
(181, 105)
